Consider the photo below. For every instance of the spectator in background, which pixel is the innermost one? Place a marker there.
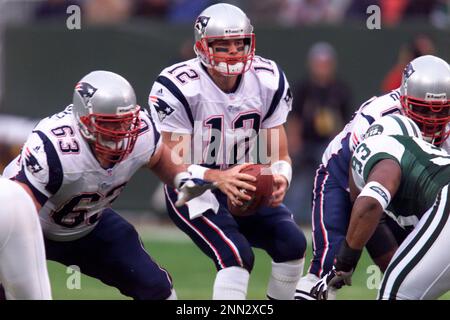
(307, 12)
(264, 10)
(54, 9)
(321, 108)
(186, 11)
(440, 16)
(357, 9)
(419, 46)
(396, 11)
(107, 11)
(153, 9)
(420, 8)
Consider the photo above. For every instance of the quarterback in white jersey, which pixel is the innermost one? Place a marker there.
(76, 163)
(423, 98)
(212, 109)
(23, 268)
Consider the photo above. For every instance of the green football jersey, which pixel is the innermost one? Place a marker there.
(425, 170)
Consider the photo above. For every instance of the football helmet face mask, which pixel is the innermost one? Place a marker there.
(424, 96)
(104, 105)
(224, 22)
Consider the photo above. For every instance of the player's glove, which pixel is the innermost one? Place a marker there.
(341, 273)
(333, 278)
(190, 188)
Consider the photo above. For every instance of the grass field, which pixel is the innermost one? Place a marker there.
(193, 273)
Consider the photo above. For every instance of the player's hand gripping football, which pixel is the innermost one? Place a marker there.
(190, 188)
(333, 278)
(233, 183)
(280, 186)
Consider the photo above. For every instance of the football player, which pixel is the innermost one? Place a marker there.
(422, 96)
(23, 268)
(77, 162)
(410, 179)
(212, 109)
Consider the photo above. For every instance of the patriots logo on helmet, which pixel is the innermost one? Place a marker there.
(31, 162)
(201, 23)
(409, 70)
(86, 91)
(161, 107)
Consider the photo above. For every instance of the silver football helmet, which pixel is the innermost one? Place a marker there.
(425, 94)
(224, 22)
(104, 105)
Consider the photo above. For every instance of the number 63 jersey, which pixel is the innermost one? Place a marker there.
(188, 101)
(425, 171)
(73, 189)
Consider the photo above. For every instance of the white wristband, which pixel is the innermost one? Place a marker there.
(197, 171)
(283, 168)
(180, 176)
(377, 191)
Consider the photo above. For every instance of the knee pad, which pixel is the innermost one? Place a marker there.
(284, 278)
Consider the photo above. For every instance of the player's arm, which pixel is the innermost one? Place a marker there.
(382, 184)
(36, 176)
(281, 164)
(169, 167)
(228, 181)
(166, 164)
(30, 193)
(371, 202)
(278, 109)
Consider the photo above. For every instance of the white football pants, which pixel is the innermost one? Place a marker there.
(420, 268)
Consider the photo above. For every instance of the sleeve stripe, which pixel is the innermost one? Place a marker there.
(369, 119)
(278, 94)
(55, 177)
(371, 162)
(156, 135)
(22, 177)
(401, 124)
(178, 94)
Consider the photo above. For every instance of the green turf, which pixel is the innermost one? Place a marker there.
(193, 275)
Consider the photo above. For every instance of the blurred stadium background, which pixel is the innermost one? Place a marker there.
(331, 58)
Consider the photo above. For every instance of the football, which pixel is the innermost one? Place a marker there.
(262, 194)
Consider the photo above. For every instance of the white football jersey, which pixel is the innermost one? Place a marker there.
(187, 101)
(338, 153)
(66, 178)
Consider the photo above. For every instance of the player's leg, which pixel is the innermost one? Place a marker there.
(217, 235)
(420, 269)
(23, 266)
(275, 231)
(331, 209)
(114, 254)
